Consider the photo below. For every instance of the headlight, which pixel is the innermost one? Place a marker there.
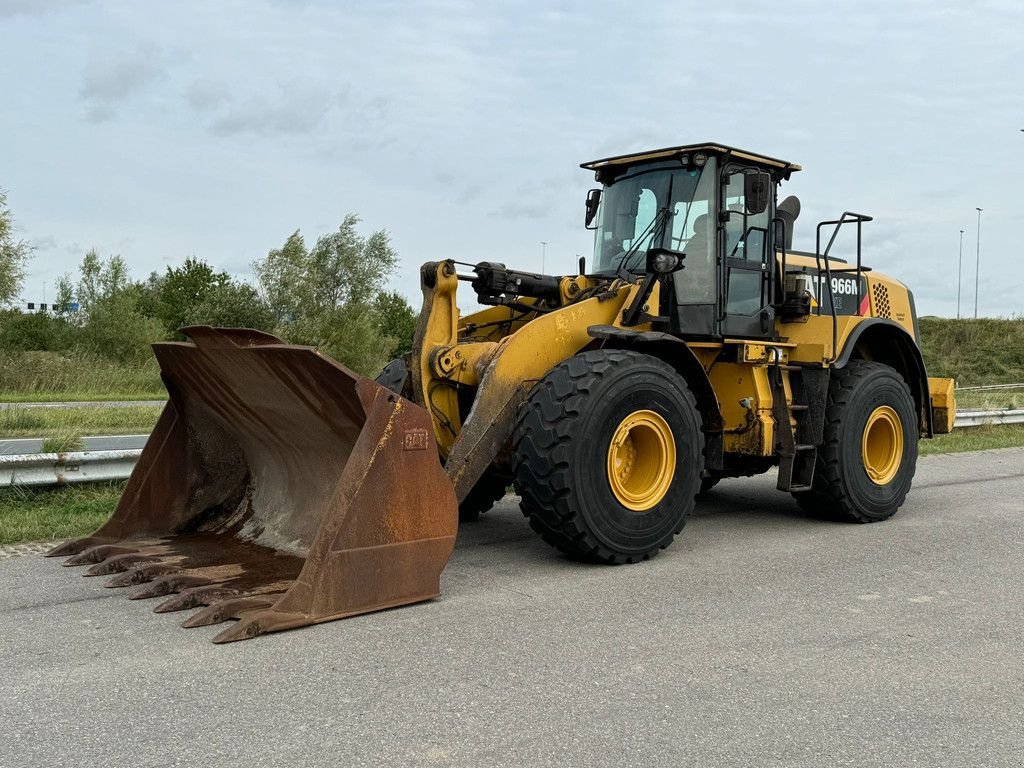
(664, 262)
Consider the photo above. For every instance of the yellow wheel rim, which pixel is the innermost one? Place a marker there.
(881, 446)
(641, 460)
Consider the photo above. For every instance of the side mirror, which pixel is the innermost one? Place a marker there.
(593, 202)
(756, 191)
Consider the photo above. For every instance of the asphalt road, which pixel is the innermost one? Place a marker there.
(762, 638)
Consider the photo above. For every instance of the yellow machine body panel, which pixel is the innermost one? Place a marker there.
(943, 404)
(745, 395)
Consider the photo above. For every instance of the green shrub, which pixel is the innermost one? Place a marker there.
(349, 334)
(33, 331)
(116, 330)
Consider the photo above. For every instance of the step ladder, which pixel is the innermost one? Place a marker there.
(797, 445)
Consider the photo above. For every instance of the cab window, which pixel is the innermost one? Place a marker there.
(744, 240)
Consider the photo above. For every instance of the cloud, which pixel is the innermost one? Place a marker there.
(11, 8)
(44, 243)
(536, 199)
(421, 113)
(109, 81)
(204, 96)
(292, 108)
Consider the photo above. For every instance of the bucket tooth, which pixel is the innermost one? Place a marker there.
(165, 585)
(99, 553)
(142, 574)
(258, 622)
(120, 564)
(194, 597)
(231, 608)
(75, 546)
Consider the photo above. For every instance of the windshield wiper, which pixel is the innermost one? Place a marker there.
(656, 228)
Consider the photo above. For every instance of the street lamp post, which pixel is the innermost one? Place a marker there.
(959, 273)
(977, 266)
(543, 253)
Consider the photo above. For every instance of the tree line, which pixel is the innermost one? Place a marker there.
(330, 295)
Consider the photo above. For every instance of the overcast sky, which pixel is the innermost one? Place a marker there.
(164, 130)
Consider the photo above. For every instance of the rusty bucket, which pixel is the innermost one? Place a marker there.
(278, 488)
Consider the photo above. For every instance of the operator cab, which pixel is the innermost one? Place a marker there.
(683, 211)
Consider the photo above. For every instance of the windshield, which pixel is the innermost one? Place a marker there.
(664, 207)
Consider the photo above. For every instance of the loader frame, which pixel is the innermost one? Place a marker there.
(281, 489)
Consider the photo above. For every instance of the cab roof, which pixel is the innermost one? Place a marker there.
(709, 147)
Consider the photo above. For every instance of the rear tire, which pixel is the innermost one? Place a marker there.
(394, 375)
(488, 491)
(866, 463)
(603, 430)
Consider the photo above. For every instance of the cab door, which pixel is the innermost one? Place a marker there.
(745, 248)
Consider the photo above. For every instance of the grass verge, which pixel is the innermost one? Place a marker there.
(75, 422)
(975, 439)
(78, 396)
(44, 514)
(983, 351)
(988, 400)
(35, 376)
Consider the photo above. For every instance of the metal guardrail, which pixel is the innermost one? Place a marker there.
(42, 469)
(988, 387)
(981, 418)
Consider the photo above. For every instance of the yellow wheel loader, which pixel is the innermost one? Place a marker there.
(281, 489)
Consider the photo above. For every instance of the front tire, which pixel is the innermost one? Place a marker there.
(866, 463)
(609, 454)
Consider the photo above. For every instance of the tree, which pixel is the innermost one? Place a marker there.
(183, 289)
(98, 281)
(326, 296)
(396, 320)
(65, 298)
(148, 294)
(14, 255)
(232, 305)
(281, 278)
(111, 320)
(348, 269)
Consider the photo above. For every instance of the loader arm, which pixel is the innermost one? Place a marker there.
(503, 372)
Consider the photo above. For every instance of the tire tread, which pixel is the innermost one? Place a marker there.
(548, 422)
(828, 496)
